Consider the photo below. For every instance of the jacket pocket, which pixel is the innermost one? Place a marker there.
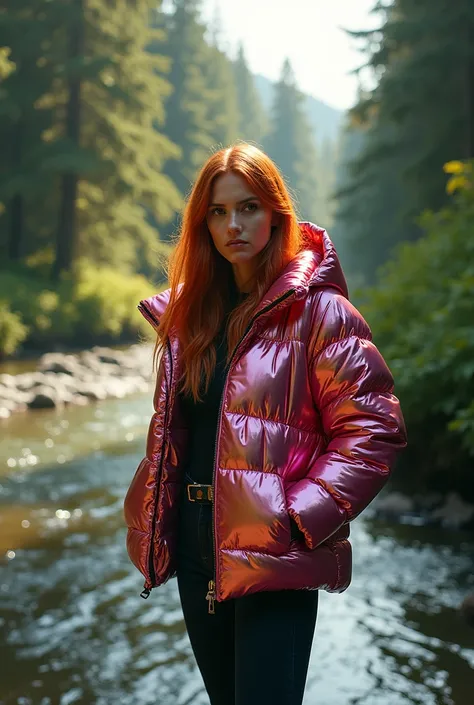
(251, 512)
(295, 535)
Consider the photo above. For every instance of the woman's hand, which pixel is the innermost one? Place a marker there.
(296, 534)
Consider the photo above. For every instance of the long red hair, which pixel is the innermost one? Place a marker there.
(196, 309)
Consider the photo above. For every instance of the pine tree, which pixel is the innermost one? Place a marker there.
(26, 27)
(425, 61)
(66, 238)
(123, 118)
(188, 122)
(223, 103)
(82, 108)
(325, 178)
(253, 123)
(419, 116)
(370, 207)
(290, 143)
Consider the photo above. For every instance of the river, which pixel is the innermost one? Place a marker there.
(74, 629)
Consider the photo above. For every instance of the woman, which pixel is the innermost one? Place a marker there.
(275, 425)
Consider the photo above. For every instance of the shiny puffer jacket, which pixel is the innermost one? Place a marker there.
(308, 428)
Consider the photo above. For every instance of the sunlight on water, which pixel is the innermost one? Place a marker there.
(74, 630)
(57, 437)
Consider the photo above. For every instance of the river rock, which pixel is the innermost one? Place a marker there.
(467, 609)
(8, 380)
(394, 504)
(455, 513)
(91, 375)
(79, 400)
(89, 361)
(92, 391)
(9, 393)
(28, 380)
(59, 380)
(109, 370)
(58, 362)
(14, 397)
(429, 501)
(9, 405)
(113, 357)
(114, 388)
(139, 384)
(45, 398)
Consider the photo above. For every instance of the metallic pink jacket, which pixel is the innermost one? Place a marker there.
(308, 427)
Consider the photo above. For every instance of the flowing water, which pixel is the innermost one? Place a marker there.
(73, 628)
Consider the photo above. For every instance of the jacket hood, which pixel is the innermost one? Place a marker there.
(317, 265)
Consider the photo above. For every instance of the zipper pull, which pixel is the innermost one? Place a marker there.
(211, 597)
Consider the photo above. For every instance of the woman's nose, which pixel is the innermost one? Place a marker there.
(234, 225)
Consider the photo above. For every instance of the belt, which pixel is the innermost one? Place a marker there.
(199, 493)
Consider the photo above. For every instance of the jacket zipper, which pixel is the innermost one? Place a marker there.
(145, 593)
(211, 595)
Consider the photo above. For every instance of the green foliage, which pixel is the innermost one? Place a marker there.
(26, 31)
(188, 118)
(369, 220)
(97, 303)
(422, 313)
(290, 143)
(118, 154)
(107, 110)
(12, 330)
(253, 122)
(123, 114)
(419, 114)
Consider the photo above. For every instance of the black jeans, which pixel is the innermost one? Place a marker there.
(255, 649)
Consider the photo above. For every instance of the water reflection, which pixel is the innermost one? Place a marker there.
(48, 437)
(74, 630)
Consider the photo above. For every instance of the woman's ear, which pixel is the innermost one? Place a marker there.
(276, 220)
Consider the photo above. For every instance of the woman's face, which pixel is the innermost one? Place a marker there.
(240, 225)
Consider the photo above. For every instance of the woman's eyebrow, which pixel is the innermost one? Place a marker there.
(244, 200)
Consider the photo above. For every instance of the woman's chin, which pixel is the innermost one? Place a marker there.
(240, 256)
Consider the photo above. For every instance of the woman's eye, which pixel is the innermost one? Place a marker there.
(217, 211)
(251, 207)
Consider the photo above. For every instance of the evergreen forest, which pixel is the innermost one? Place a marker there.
(109, 107)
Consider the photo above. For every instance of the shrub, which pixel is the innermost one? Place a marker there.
(422, 313)
(97, 304)
(12, 331)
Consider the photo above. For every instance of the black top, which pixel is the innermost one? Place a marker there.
(201, 418)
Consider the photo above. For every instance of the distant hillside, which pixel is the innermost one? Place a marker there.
(325, 121)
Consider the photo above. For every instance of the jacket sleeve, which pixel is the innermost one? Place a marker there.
(361, 418)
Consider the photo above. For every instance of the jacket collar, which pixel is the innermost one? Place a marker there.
(315, 266)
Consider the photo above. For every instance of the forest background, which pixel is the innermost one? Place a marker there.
(104, 122)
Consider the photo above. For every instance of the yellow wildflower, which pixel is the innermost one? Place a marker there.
(456, 183)
(454, 167)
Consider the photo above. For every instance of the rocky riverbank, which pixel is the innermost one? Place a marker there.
(89, 376)
(448, 511)
(102, 373)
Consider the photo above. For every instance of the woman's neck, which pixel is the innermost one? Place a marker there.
(244, 279)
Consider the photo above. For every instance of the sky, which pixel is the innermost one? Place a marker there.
(309, 32)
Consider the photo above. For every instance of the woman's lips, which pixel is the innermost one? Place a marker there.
(236, 243)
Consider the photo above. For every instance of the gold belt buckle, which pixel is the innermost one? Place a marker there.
(200, 492)
(189, 493)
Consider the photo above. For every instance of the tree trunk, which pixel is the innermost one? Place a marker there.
(67, 229)
(469, 96)
(470, 112)
(16, 205)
